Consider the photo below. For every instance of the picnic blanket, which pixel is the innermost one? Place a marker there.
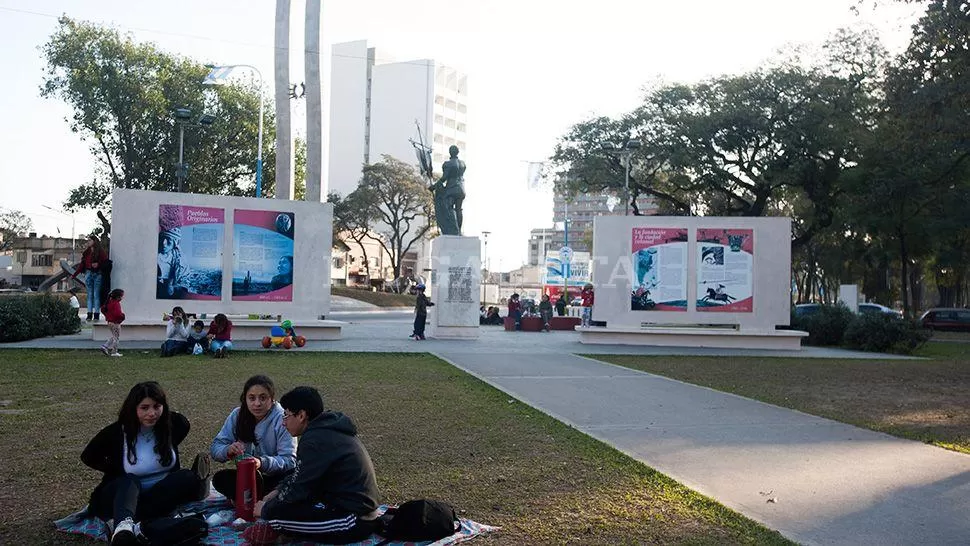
(231, 535)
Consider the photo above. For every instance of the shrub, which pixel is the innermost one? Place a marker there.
(33, 316)
(883, 332)
(826, 326)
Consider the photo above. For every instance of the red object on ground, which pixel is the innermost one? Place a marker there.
(267, 342)
(246, 489)
(287, 342)
(300, 341)
(564, 323)
(509, 324)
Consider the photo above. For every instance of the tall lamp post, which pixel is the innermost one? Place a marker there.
(625, 151)
(183, 116)
(219, 75)
(73, 241)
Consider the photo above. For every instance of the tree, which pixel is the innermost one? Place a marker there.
(754, 144)
(124, 94)
(397, 200)
(13, 223)
(352, 217)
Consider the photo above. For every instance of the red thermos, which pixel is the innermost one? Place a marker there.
(246, 488)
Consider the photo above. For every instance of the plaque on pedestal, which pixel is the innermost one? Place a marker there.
(456, 279)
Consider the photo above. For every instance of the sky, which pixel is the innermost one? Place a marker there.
(535, 68)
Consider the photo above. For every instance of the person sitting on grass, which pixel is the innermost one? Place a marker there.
(332, 495)
(139, 457)
(220, 336)
(197, 336)
(254, 430)
(176, 333)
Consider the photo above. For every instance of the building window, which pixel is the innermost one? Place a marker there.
(450, 123)
(439, 119)
(461, 127)
(438, 138)
(338, 263)
(462, 108)
(438, 99)
(41, 260)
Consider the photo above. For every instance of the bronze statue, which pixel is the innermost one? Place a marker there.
(449, 194)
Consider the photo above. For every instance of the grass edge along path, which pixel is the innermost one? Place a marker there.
(918, 399)
(433, 431)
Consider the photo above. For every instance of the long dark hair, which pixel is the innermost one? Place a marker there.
(221, 322)
(245, 420)
(128, 417)
(96, 249)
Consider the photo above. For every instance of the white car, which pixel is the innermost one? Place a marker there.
(876, 308)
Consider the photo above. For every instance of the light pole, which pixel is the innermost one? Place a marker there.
(217, 76)
(73, 241)
(485, 235)
(625, 151)
(182, 117)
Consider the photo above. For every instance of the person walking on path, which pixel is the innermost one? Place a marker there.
(114, 316)
(545, 311)
(91, 260)
(421, 305)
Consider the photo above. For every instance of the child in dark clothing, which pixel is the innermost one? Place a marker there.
(197, 336)
(421, 305)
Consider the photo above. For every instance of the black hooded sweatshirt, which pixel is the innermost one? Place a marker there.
(332, 467)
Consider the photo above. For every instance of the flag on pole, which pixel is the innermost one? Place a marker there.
(534, 177)
(218, 75)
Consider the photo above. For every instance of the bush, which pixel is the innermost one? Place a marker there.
(883, 332)
(826, 326)
(29, 317)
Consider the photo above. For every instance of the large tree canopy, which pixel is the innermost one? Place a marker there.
(124, 95)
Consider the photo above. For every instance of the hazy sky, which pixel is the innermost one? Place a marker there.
(535, 67)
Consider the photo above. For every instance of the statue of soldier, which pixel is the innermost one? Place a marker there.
(449, 194)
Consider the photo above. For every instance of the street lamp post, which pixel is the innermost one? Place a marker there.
(182, 117)
(485, 235)
(217, 75)
(625, 151)
(73, 241)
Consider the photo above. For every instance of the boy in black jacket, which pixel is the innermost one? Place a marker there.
(331, 496)
(421, 305)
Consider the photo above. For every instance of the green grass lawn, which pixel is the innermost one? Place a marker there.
(432, 431)
(380, 299)
(923, 400)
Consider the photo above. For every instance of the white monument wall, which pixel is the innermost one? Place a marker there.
(134, 252)
(769, 283)
(456, 279)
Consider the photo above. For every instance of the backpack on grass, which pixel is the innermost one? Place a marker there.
(419, 520)
(170, 531)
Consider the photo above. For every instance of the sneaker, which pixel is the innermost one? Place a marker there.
(125, 533)
(116, 354)
(105, 351)
(260, 533)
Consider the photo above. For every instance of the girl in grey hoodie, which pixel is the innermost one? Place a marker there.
(255, 430)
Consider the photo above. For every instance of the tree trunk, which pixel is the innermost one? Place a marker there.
(904, 274)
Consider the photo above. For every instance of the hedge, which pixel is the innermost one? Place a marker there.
(32, 316)
(884, 333)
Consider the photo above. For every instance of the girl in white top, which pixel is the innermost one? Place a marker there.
(176, 334)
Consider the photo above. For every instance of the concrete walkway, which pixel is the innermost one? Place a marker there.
(814, 480)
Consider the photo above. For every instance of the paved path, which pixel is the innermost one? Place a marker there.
(831, 483)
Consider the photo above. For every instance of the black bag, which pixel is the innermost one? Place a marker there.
(175, 531)
(420, 520)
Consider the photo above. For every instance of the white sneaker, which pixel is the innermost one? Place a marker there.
(115, 354)
(125, 533)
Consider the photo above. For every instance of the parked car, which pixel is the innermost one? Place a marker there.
(806, 309)
(942, 318)
(876, 308)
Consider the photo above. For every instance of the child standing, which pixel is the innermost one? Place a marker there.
(197, 336)
(220, 338)
(421, 305)
(114, 317)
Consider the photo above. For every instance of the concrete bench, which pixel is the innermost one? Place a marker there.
(722, 338)
(242, 329)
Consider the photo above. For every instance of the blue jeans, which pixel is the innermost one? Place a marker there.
(92, 281)
(215, 345)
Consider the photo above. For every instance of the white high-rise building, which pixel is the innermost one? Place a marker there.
(374, 103)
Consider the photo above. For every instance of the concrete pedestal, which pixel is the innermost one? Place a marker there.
(456, 279)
